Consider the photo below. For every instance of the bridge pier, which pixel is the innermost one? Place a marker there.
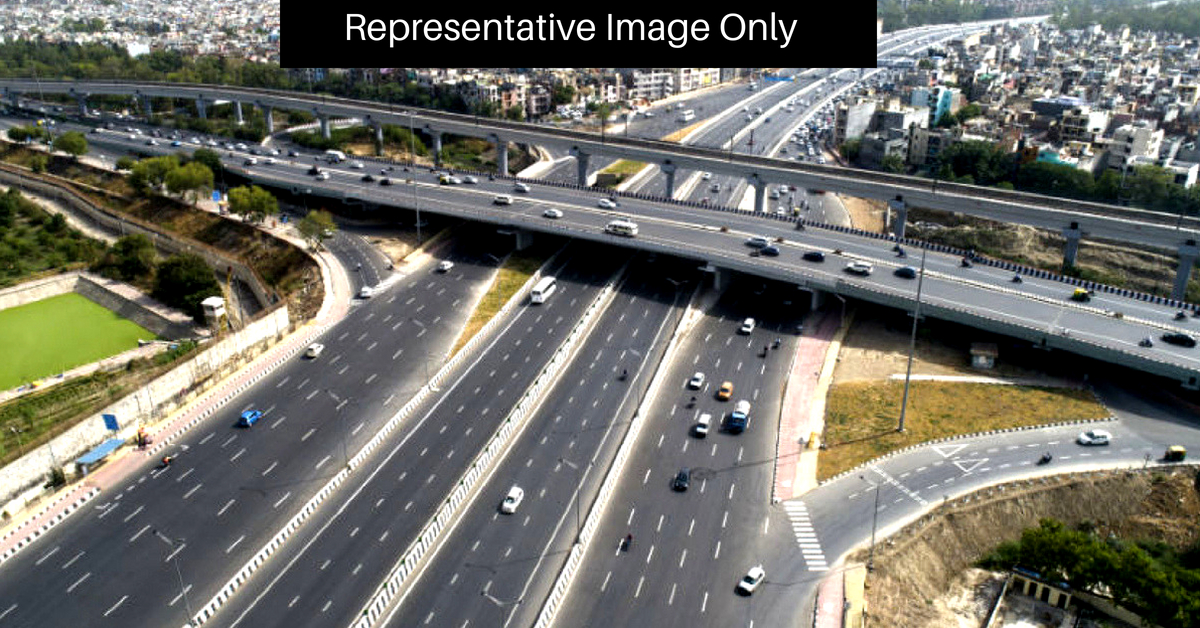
(148, 105)
(378, 137)
(237, 112)
(817, 300)
(13, 97)
(437, 147)
(760, 193)
(82, 100)
(718, 281)
(1071, 251)
(324, 120)
(502, 157)
(668, 169)
(268, 114)
(1188, 252)
(200, 110)
(900, 216)
(524, 239)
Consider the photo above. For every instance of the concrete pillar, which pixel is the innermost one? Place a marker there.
(14, 98)
(502, 157)
(899, 218)
(237, 112)
(582, 160)
(437, 147)
(668, 169)
(524, 239)
(1188, 252)
(378, 137)
(268, 114)
(1072, 234)
(324, 120)
(760, 193)
(149, 106)
(82, 100)
(200, 109)
(818, 299)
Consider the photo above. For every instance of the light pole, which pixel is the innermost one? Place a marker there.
(341, 402)
(874, 522)
(578, 492)
(424, 357)
(412, 160)
(500, 604)
(177, 545)
(912, 341)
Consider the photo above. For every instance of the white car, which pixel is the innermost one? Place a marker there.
(751, 580)
(1094, 437)
(470, 179)
(706, 176)
(552, 213)
(859, 268)
(520, 187)
(366, 292)
(747, 326)
(606, 204)
(270, 160)
(697, 381)
(503, 199)
(512, 500)
(357, 165)
(314, 350)
(444, 265)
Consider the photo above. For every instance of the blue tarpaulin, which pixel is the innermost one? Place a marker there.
(101, 452)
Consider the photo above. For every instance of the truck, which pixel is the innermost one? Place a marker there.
(335, 156)
(739, 419)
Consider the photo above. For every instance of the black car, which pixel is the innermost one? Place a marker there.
(314, 170)
(368, 178)
(907, 272)
(814, 256)
(770, 251)
(682, 479)
(385, 181)
(1179, 338)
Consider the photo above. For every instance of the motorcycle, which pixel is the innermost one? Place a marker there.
(966, 262)
(1017, 279)
(626, 542)
(1180, 315)
(624, 375)
(1045, 459)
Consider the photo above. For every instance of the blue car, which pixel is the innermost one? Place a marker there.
(176, 143)
(249, 417)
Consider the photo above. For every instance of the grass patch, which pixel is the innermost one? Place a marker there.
(624, 168)
(681, 133)
(52, 335)
(517, 269)
(861, 417)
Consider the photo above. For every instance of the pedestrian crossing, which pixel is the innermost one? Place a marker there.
(806, 537)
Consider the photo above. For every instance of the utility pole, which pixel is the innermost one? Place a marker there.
(912, 341)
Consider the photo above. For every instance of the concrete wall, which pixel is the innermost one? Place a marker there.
(110, 294)
(146, 406)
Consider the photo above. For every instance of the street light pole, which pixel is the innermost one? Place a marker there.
(912, 341)
(578, 494)
(500, 604)
(412, 157)
(174, 557)
(874, 523)
(341, 402)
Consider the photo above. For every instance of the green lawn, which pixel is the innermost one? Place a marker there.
(50, 336)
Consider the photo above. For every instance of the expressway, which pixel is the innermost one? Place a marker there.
(231, 488)
(343, 554)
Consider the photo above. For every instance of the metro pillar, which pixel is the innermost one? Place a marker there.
(437, 147)
(237, 112)
(200, 110)
(502, 157)
(267, 113)
(324, 120)
(760, 192)
(524, 239)
(668, 169)
(1188, 252)
(149, 106)
(1072, 234)
(82, 100)
(378, 137)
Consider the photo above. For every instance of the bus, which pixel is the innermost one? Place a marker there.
(543, 289)
(622, 227)
(687, 116)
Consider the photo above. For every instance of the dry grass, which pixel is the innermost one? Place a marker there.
(624, 168)
(861, 417)
(681, 133)
(517, 269)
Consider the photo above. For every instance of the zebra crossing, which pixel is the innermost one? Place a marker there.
(806, 538)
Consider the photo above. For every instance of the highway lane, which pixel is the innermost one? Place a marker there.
(690, 548)
(581, 421)
(345, 552)
(231, 488)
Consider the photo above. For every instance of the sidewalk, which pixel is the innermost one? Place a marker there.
(803, 414)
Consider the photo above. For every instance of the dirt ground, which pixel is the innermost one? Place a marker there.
(865, 213)
(877, 347)
(923, 574)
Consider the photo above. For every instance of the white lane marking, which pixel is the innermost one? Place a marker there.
(79, 581)
(115, 606)
(235, 544)
(225, 507)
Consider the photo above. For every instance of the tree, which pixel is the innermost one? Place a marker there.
(893, 163)
(209, 158)
(38, 163)
(125, 163)
(191, 179)
(130, 257)
(183, 281)
(316, 227)
(1149, 186)
(152, 173)
(72, 143)
(983, 161)
(562, 94)
(851, 148)
(252, 203)
(515, 113)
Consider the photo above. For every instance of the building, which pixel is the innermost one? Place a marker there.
(1082, 124)
(852, 120)
(1131, 141)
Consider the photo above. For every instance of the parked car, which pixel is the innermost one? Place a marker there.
(1094, 437)
(249, 417)
(682, 480)
(512, 500)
